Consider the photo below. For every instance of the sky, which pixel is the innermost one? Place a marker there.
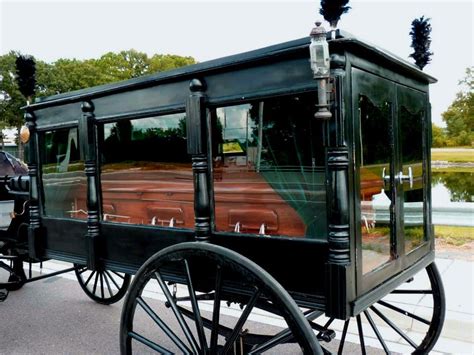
(206, 30)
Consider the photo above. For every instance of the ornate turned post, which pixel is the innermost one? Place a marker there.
(34, 229)
(88, 142)
(339, 270)
(338, 169)
(196, 128)
(338, 165)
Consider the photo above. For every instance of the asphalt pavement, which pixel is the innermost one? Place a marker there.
(54, 316)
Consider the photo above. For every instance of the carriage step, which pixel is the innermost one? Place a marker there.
(324, 334)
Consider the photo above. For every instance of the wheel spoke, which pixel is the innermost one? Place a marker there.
(241, 321)
(326, 351)
(361, 334)
(284, 336)
(412, 292)
(102, 285)
(113, 281)
(89, 278)
(108, 284)
(376, 331)
(406, 313)
(216, 310)
(163, 326)
(194, 304)
(343, 337)
(81, 271)
(177, 313)
(95, 282)
(394, 327)
(149, 343)
(121, 276)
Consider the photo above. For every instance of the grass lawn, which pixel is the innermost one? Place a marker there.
(464, 156)
(453, 169)
(454, 235)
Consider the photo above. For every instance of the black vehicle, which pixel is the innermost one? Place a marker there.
(251, 180)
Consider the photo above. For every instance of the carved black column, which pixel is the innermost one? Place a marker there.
(338, 165)
(338, 169)
(35, 229)
(338, 271)
(197, 147)
(88, 141)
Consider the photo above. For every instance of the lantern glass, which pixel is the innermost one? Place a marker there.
(319, 53)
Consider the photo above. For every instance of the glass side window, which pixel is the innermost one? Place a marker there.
(64, 182)
(411, 124)
(376, 198)
(268, 164)
(146, 173)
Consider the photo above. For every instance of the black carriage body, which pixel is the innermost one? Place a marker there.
(324, 267)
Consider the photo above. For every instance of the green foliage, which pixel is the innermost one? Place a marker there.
(72, 74)
(10, 113)
(439, 137)
(459, 117)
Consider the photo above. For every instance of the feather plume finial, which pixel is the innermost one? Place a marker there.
(26, 70)
(333, 9)
(421, 41)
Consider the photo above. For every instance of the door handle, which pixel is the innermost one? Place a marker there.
(385, 178)
(402, 178)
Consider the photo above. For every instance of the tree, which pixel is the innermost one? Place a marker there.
(66, 75)
(459, 117)
(439, 137)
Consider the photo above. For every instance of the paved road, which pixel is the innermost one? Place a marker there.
(54, 316)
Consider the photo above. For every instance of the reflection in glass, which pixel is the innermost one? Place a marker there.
(459, 184)
(146, 172)
(269, 172)
(375, 171)
(64, 182)
(412, 157)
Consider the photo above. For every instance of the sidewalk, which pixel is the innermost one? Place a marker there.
(458, 332)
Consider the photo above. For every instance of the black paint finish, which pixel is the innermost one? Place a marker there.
(324, 274)
(88, 144)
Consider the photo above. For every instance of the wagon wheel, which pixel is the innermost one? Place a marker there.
(12, 272)
(393, 316)
(103, 286)
(199, 321)
(18, 276)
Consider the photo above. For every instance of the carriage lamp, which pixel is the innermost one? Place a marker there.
(320, 65)
(24, 134)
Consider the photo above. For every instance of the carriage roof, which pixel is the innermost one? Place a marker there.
(344, 42)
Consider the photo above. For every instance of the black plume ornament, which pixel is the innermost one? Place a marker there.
(25, 70)
(421, 41)
(333, 9)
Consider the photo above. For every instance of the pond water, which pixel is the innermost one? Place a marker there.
(453, 198)
(452, 187)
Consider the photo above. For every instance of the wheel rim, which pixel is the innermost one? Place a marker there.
(16, 276)
(180, 324)
(102, 286)
(417, 328)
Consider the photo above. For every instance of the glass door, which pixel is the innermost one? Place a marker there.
(392, 177)
(374, 103)
(377, 198)
(412, 172)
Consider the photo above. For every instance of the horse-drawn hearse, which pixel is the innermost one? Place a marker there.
(292, 180)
